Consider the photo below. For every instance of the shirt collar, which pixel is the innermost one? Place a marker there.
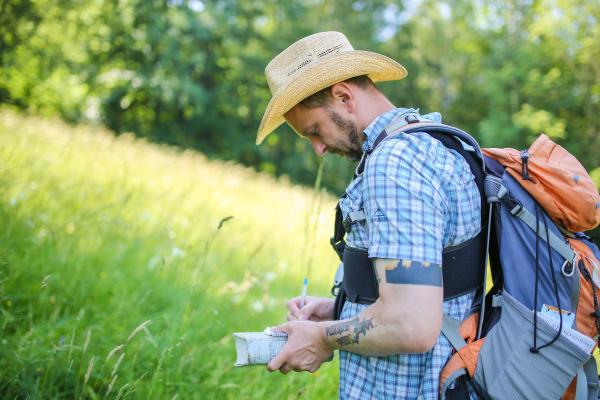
(379, 124)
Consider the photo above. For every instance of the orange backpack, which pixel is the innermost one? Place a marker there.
(557, 180)
(541, 319)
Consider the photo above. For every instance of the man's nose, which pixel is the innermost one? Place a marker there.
(318, 146)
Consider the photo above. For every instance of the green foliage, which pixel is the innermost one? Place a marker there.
(539, 121)
(190, 73)
(102, 234)
(595, 174)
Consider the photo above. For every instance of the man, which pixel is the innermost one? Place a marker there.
(418, 197)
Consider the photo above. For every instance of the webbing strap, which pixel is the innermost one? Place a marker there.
(337, 241)
(451, 379)
(484, 289)
(356, 216)
(581, 392)
(467, 141)
(575, 294)
(589, 391)
(497, 300)
(556, 242)
(450, 329)
(591, 372)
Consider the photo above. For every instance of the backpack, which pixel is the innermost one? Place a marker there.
(534, 203)
(541, 199)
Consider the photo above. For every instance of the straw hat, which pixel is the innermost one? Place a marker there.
(314, 63)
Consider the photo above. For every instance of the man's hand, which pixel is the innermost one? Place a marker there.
(305, 350)
(315, 309)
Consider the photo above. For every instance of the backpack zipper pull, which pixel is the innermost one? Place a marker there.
(525, 165)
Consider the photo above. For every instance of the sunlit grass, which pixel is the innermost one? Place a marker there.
(122, 275)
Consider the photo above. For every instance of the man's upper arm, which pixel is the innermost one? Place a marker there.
(411, 297)
(405, 206)
(405, 200)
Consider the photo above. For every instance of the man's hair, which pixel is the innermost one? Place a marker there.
(323, 96)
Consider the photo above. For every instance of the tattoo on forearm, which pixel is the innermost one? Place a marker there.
(346, 340)
(352, 329)
(414, 272)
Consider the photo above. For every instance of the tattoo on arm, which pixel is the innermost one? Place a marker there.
(351, 330)
(414, 272)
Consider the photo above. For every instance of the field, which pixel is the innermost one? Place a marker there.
(125, 267)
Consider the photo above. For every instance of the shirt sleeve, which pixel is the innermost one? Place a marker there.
(405, 200)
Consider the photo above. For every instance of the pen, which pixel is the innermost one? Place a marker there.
(303, 295)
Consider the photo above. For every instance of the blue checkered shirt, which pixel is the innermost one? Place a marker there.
(418, 197)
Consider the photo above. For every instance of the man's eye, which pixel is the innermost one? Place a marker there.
(314, 133)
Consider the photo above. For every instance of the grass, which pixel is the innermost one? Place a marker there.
(125, 267)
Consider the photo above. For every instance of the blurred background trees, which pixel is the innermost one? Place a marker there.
(191, 72)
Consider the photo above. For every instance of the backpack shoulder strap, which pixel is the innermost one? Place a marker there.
(450, 137)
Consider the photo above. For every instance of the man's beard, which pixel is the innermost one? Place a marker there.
(354, 152)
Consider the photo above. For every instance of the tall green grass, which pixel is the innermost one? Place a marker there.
(122, 274)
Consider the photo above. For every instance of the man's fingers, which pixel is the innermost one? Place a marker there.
(277, 361)
(282, 356)
(313, 369)
(307, 311)
(285, 327)
(292, 305)
(285, 369)
(303, 314)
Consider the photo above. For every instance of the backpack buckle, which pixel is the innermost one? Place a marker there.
(516, 209)
(347, 224)
(411, 119)
(338, 247)
(513, 204)
(338, 280)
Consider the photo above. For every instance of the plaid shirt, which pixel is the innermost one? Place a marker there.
(418, 197)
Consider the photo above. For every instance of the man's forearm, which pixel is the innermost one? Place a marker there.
(372, 333)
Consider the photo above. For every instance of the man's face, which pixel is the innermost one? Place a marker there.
(327, 130)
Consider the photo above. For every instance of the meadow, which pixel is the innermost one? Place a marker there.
(125, 267)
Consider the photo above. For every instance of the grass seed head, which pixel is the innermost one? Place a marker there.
(114, 351)
(111, 384)
(139, 328)
(89, 370)
(86, 343)
(119, 360)
(45, 281)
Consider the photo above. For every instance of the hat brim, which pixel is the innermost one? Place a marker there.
(323, 74)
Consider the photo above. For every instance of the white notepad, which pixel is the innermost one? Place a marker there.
(582, 341)
(255, 348)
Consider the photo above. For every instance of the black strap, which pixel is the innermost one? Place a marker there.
(337, 241)
(360, 281)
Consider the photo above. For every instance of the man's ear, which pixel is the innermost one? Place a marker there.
(342, 92)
